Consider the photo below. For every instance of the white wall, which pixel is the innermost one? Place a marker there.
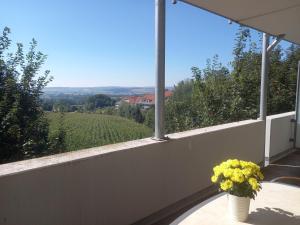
(298, 136)
(279, 130)
(122, 183)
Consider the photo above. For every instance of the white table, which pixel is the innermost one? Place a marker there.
(274, 204)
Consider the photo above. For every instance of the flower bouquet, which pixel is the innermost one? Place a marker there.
(241, 180)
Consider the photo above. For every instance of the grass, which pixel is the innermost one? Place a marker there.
(85, 130)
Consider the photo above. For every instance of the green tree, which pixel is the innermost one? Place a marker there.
(283, 79)
(182, 91)
(246, 76)
(131, 112)
(212, 94)
(179, 115)
(58, 140)
(149, 118)
(221, 95)
(99, 101)
(23, 127)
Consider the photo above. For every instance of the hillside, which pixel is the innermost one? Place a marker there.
(50, 91)
(84, 130)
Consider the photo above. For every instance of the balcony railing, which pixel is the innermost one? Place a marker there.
(123, 183)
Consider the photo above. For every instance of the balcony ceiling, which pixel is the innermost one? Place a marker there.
(274, 17)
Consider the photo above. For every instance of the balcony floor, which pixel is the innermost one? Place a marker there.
(281, 171)
(284, 169)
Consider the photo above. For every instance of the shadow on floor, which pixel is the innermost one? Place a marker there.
(271, 216)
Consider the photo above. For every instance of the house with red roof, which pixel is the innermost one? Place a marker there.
(145, 101)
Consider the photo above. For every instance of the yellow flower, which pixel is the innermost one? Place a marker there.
(235, 163)
(237, 172)
(228, 172)
(227, 164)
(214, 179)
(260, 175)
(243, 163)
(217, 171)
(223, 166)
(226, 185)
(254, 166)
(247, 172)
(237, 176)
(254, 184)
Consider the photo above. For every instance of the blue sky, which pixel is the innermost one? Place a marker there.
(111, 42)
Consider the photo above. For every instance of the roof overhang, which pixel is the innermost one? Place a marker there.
(275, 17)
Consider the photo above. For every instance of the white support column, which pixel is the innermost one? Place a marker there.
(264, 78)
(263, 92)
(297, 109)
(266, 49)
(160, 23)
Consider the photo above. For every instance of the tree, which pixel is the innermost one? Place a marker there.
(178, 113)
(131, 112)
(99, 101)
(149, 118)
(58, 140)
(220, 95)
(23, 126)
(246, 76)
(283, 85)
(183, 91)
(212, 94)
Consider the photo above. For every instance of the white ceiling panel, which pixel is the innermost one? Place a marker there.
(271, 16)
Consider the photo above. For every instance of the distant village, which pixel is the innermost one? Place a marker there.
(81, 103)
(145, 101)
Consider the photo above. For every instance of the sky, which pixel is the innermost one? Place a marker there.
(111, 42)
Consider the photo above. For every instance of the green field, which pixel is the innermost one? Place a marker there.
(84, 130)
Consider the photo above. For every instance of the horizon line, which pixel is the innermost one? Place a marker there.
(113, 86)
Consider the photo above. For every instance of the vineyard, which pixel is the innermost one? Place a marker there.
(84, 130)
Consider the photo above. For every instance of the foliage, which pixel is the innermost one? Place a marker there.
(218, 94)
(131, 112)
(182, 91)
(149, 118)
(211, 94)
(85, 130)
(76, 103)
(63, 102)
(178, 116)
(98, 101)
(58, 138)
(238, 177)
(108, 111)
(178, 113)
(23, 127)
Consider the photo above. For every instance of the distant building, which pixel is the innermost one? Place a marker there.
(145, 101)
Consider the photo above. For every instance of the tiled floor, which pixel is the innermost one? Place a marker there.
(285, 170)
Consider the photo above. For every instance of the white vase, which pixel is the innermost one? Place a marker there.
(238, 208)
